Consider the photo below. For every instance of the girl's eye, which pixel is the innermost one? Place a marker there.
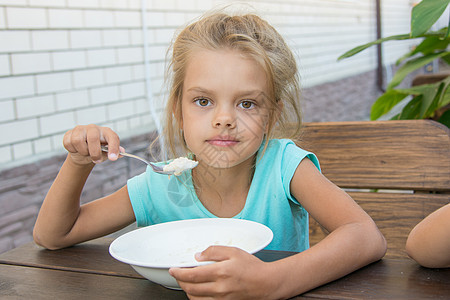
(247, 104)
(202, 102)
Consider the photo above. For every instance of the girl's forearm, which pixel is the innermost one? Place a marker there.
(61, 205)
(343, 251)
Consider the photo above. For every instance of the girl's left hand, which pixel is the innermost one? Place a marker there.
(235, 275)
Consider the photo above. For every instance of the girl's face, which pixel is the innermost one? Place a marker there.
(224, 107)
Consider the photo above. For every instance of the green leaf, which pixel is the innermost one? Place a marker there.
(413, 65)
(445, 118)
(427, 46)
(440, 33)
(379, 41)
(430, 101)
(425, 14)
(445, 97)
(412, 109)
(386, 102)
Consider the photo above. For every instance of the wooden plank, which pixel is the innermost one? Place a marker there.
(89, 257)
(18, 282)
(410, 154)
(395, 215)
(388, 279)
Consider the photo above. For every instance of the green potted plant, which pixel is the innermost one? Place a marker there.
(427, 100)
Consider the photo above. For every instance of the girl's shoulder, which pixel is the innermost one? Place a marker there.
(288, 151)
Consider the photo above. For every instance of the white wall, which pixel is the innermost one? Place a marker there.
(68, 62)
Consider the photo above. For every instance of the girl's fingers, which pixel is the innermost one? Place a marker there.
(86, 140)
(113, 141)
(192, 275)
(93, 143)
(216, 253)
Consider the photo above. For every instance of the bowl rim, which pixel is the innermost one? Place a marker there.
(268, 234)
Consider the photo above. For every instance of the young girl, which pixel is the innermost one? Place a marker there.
(234, 81)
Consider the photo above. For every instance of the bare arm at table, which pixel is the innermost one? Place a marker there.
(429, 241)
(62, 221)
(354, 241)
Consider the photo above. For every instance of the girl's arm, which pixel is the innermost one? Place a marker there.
(429, 241)
(354, 241)
(62, 221)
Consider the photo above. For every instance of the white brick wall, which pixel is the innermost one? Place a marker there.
(68, 62)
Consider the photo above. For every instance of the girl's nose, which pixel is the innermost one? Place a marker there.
(224, 118)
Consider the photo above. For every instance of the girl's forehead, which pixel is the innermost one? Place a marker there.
(224, 68)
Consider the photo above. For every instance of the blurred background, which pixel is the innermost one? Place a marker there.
(70, 62)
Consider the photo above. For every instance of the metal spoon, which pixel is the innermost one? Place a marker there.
(156, 168)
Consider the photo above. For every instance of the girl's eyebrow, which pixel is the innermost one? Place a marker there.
(254, 93)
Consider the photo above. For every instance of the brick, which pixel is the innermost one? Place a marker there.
(57, 123)
(102, 57)
(7, 110)
(14, 2)
(88, 78)
(24, 63)
(5, 154)
(155, 19)
(105, 94)
(118, 74)
(166, 5)
(83, 3)
(132, 90)
(14, 41)
(57, 142)
(122, 125)
(85, 38)
(69, 60)
(120, 110)
(116, 4)
(35, 106)
(17, 131)
(138, 72)
(2, 18)
(42, 145)
(99, 18)
(54, 82)
(49, 40)
(11, 87)
(157, 53)
(22, 150)
(72, 100)
(163, 35)
(136, 38)
(133, 4)
(127, 19)
(65, 18)
(142, 105)
(130, 55)
(27, 18)
(115, 37)
(92, 115)
(48, 3)
(175, 19)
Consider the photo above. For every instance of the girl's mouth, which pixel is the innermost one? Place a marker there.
(225, 141)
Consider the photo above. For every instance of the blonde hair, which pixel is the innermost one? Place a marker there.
(257, 39)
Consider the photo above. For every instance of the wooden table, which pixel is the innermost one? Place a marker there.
(88, 271)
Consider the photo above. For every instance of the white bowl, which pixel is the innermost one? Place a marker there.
(152, 250)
